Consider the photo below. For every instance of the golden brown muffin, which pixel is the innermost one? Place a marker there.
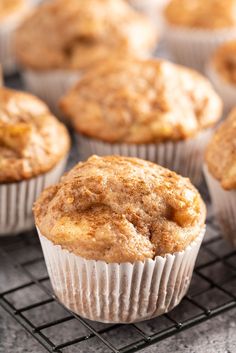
(74, 34)
(221, 153)
(138, 101)
(224, 61)
(11, 7)
(120, 209)
(32, 141)
(205, 14)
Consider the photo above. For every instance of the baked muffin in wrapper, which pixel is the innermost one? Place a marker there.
(109, 258)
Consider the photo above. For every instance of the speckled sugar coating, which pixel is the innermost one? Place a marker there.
(120, 238)
(28, 137)
(118, 209)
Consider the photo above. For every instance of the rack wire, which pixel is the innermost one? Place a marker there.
(29, 299)
(212, 292)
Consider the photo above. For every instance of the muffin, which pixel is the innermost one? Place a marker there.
(30, 157)
(120, 238)
(221, 70)
(64, 38)
(151, 109)
(194, 29)
(12, 12)
(220, 172)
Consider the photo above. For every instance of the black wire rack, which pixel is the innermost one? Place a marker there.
(29, 299)
(212, 292)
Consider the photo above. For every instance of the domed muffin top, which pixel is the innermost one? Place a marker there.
(205, 14)
(74, 34)
(119, 209)
(141, 101)
(221, 153)
(29, 134)
(224, 61)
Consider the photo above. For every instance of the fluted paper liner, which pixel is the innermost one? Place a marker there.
(184, 157)
(50, 85)
(226, 90)
(193, 47)
(224, 205)
(119, 293)
(7, 58)
(16, 200)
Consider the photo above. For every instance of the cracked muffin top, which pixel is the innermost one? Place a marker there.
(12, 8)
(224, 61)
(141, 101)
(74, 34)
(29, 133)
(119, 209)
(207, 14)
(221, 153)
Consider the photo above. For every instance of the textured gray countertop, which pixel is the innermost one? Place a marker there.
(218, 335)
(215, 336)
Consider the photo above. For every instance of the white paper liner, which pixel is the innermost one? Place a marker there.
(224, 204)
(227, 91)
(51, 85)
(16, 200)
(119, 293)
(7, 57)
(193, 47)
(148, 5)
(183, 157)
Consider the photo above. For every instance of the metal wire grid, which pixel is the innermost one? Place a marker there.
(213, 291)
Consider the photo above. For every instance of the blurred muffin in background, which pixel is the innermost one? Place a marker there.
(151, 109)
(221, 69)
(31, 156)
(64, 38)
(12, 12)
(220, 172)
(194, 29)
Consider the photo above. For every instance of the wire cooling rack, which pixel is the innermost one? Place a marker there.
(28, 297)
(32, 303)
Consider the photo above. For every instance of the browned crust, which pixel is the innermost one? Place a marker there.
(142, 101)
(221, 153)
(120, 209)
(224, 61)
(32, 141)
(82, 33)
(203, 14)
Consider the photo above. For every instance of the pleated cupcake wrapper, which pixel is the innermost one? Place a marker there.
(224, 204)
(16, 200)
(119, 293)
(148, 5)
(50, 86)
(7, 58)
(183, 157)
(226, 90)
(193, 47)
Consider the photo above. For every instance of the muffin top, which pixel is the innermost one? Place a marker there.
(29, 134)
(74, 34)
(202, 14)
(224, 61)
(119, 209)
(141, 101)
(221, 153)
(11, 7)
